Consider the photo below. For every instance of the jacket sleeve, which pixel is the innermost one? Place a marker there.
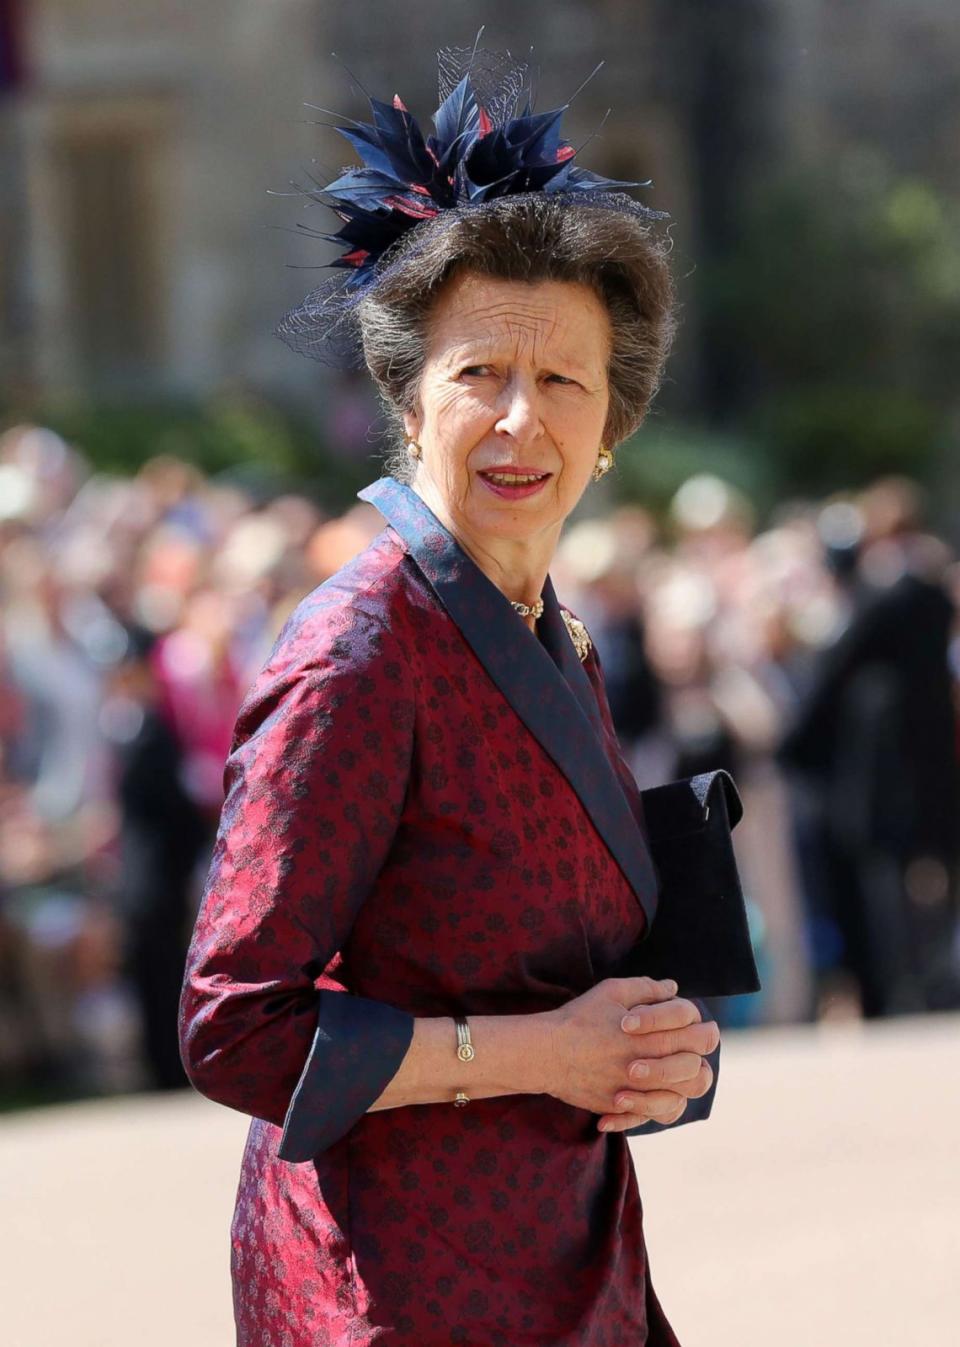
(697, 1110)
(315, 783)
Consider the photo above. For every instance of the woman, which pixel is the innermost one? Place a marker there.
(431, 854)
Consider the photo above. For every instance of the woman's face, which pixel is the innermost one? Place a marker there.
(515, 382)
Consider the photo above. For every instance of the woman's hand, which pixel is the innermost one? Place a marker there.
(632, 1051)
(668, 1061)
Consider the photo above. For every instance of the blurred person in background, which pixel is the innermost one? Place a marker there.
(199, 685)
(162, 836)
(872, 746)
(60, 752)
(70, 1029)
(690, 594)
(598, 564)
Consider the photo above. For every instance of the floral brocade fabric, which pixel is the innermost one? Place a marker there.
(396, 843)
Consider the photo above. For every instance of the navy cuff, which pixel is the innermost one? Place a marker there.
(356, 1051)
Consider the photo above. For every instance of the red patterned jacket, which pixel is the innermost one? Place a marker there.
(427, 812)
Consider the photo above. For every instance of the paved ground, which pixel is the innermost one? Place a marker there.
(819, 1207)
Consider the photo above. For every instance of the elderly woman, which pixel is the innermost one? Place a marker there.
(431, 858)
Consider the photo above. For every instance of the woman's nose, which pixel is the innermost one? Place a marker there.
(519, 412)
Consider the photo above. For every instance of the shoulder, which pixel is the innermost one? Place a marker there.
(356, 613)
(345, 639)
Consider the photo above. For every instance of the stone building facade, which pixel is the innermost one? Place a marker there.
(142, 253)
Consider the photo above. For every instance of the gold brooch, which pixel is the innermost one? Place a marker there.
(578, 634)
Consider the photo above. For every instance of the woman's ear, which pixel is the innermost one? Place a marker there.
(411, 425)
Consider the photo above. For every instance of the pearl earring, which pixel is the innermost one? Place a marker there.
(414, 450)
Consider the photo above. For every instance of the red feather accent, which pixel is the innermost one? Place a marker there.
(419, 189)
(565, 152)
(399, 104)
(356, 258)
(485, 123)
(411, 208)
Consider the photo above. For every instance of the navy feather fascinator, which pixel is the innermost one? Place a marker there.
(487, 143)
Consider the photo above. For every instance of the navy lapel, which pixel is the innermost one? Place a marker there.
(556, 641)
(543, 681)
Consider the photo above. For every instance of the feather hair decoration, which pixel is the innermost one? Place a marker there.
(487, 142)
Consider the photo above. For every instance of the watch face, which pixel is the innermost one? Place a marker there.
(465, 1052)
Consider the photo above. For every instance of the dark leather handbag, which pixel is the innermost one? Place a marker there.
(699, 935)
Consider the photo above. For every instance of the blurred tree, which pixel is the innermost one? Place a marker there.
(234, 435)
(841, 298)
(653, 465)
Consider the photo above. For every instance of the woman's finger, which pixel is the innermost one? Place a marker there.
(653, 1103)
(698, 1038)
(643, 991)
(655, 1073)
(704, 1080)
(690, 1087)
(676, 1013)
(638, 1112)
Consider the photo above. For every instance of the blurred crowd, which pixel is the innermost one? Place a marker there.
(817, 658)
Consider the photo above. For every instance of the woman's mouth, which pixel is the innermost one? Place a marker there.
(514, 483)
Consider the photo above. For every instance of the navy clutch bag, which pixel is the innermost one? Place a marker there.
(699, 936)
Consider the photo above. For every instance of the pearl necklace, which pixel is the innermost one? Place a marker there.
(527, 610)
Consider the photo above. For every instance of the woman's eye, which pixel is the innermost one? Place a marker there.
(480, 371)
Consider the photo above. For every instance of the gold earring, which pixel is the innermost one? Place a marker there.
(414, 450)
(604, 463)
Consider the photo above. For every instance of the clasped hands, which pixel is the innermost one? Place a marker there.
(631, 1051)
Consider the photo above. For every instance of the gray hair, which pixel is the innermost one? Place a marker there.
(527, 237)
